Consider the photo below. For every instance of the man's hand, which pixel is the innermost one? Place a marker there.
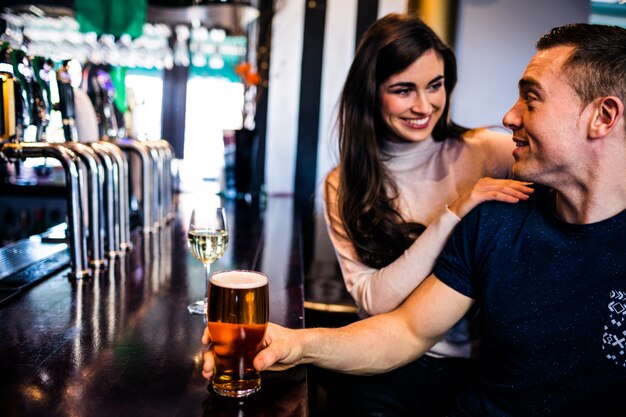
(282, 350)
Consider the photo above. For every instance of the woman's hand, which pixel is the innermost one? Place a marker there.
(486, 189)
(283, 350)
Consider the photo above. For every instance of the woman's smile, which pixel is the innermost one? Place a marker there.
(416, 123)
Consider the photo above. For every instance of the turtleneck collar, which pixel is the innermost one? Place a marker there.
(421, 150)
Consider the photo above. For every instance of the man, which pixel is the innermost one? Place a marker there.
(549, 274)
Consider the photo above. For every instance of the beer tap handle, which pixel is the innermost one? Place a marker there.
(66, 101)
(42, 68)
(23, 81)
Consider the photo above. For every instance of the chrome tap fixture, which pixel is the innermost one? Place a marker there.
(120, 197)
(147, 170)
(95, 198)
(75, 190)
(155, 159)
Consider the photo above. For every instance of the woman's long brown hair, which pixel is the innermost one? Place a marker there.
(366, 191)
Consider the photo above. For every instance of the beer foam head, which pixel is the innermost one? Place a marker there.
(239, 279)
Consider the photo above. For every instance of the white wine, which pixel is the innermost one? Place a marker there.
(208, 245)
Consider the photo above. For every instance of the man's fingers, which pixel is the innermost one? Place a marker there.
(270, 360)
(208, 365)
(207, 375)
(206, 337)
(280, 352)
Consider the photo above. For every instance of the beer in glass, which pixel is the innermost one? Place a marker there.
(237, 317)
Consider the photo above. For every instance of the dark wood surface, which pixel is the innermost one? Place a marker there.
(123, 344)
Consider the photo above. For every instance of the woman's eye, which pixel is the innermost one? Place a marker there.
(401, 91)
(435, 86)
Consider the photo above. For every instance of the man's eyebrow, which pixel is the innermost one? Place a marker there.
(528, 83)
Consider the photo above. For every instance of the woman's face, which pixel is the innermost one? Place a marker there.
(412, 101)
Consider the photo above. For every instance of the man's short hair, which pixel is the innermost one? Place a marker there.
(597, 65)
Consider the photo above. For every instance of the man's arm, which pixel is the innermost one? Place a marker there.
(373, 345)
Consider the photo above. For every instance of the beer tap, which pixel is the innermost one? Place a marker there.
(116, 192)
(66, 101)
(22, 75)
(165, 155)
(75, 192)
(148, 177)
(155, 161)
(24, 98)
(42, 68)
(111, 200)
(94, 179)
(101, 92)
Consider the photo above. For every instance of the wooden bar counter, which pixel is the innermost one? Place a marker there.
(123, 344)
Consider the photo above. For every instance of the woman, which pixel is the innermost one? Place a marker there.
(406, 175)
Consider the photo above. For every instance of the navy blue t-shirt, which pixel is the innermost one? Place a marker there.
(552, 297)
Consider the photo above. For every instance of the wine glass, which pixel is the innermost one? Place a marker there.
(208, 239)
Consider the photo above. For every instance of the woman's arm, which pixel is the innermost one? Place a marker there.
(381, 290)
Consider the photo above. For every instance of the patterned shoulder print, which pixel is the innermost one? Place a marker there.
(614, 337)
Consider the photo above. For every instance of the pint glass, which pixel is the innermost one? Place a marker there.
(237, 317)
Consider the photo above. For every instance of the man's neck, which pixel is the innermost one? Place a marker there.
(590, 205)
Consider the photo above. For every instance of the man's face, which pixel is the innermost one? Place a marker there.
(548, 122)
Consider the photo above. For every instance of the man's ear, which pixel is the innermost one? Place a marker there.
(607, 112)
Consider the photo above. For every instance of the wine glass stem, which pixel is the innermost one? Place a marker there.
(207, 275)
